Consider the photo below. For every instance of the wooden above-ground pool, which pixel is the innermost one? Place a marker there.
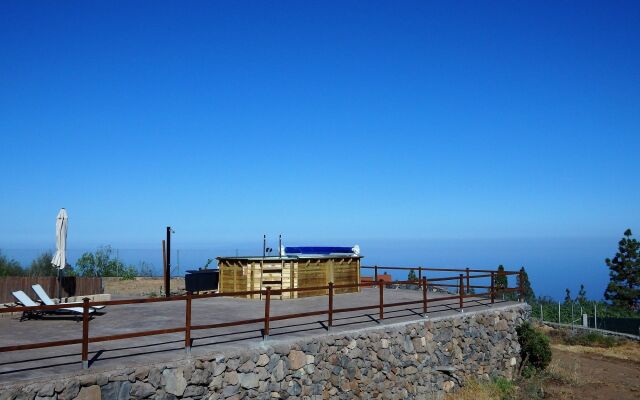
(298, 267)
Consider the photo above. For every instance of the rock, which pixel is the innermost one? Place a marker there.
(262, 360)
(155, 377)
(200, 377)
(71, 390)
(352, 344)
(46, 390)
(447, 386)
(513, 361)
(116, 390)
(193, 391)
(230, 390)
(142, 390)
(247, 367)
(87, 380)
(231, 378)
(297, 359)
(294, 388)
(216, 383)
(89, 393)
(174, 381)
(141, 373)
(248, 381)
(384, 343)
(217, 369)
(162, 395)
(278, 371)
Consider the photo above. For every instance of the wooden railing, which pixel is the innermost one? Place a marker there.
(461, 283)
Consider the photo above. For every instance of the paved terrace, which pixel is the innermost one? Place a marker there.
(66, 360)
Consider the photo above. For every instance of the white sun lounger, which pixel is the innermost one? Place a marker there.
(27, 302)
(47, 301)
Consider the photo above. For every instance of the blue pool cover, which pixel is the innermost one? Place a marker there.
(318, 250)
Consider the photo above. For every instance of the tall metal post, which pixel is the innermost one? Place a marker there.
(167, 273)
(419, 276)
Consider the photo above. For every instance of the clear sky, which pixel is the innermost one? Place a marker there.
(330, 122)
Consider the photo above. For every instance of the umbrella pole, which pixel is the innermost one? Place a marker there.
(59, 286)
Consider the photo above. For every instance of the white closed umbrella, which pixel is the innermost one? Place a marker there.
(60, 258)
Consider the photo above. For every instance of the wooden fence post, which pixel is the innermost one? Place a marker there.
(424, 297)
(468, 280)
(381, 285)
(330, 305)
(85, 333)
(461, 292)
(187, 325)
(267, 310)
(493, 287)
(521, 286)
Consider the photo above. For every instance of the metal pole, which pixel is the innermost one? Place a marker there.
(558, 312)
(595, 315)
(59, 285)
(419, 276)
(375, 273)
(264, 246)
(85, 333)
(167, 277)
(541, 314)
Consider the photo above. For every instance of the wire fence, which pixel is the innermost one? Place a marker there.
(591, 315)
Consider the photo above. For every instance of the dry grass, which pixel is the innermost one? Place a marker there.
(565, 373)
(474, 390)
(626, 351)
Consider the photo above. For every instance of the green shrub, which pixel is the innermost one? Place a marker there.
(535, 349)
(593, 339)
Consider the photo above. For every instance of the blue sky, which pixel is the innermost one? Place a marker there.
(330, 122)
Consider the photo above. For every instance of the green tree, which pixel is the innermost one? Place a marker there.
(624, 274)
(42, 266)
(535, 349)
(10, 267)
(582, 296)
(412, 277)
(501, 281)
(101, 263)
(567, 296)
(529, 295)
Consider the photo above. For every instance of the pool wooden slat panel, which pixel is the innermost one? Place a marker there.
(251, 274)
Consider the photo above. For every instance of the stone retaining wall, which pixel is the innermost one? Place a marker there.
(422, 359)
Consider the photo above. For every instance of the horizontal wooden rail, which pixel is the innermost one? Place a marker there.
(461, 283)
